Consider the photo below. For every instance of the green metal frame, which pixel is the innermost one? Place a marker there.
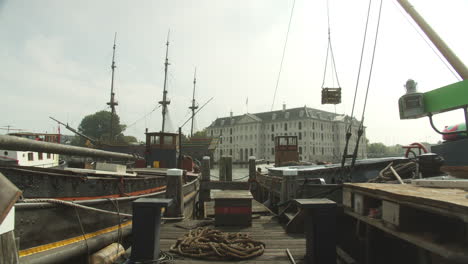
(447, 98)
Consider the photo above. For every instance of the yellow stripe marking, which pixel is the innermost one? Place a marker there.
(61, 243)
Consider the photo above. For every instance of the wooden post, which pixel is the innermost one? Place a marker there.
(222, 169)
(204, 194)
(252, 169)
(228, 164)
(288, 188)
(145, 229)
(174, 191)
(320, 230)
(8, 250)
(225, 168)
(252, 178)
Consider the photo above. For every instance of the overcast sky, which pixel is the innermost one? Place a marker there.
(56, 57)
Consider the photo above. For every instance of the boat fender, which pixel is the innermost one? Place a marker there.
(108, 254)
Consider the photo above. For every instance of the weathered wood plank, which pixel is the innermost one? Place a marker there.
(449, 202)
(8, 250)
(265, 229)
(421, 240)
(224, 185)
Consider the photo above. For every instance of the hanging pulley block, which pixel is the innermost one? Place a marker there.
(331, 95)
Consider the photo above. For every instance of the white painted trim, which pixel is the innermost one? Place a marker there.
(8, 223)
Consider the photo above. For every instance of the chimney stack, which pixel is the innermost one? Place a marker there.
(284, 107)
(230, 113)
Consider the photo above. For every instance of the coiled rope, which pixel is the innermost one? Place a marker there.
(211, 244)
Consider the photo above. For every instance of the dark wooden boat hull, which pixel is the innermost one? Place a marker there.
(54, 233)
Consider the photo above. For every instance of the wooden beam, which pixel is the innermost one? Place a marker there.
(224, 185)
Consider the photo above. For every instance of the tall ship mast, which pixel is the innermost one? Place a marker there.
(112, 103)
(194, 106)
(164, 101)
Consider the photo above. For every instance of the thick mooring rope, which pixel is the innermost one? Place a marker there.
(211, 244)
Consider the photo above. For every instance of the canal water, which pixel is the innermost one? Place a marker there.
(240, 172)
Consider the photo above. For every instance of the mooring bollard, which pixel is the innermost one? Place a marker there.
(288, 188)
(174, 191)
(145, 229)
(252, 177)
(225, 168)
(204, 195)
(320, 230)
(252, 168)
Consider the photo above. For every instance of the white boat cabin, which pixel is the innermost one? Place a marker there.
(29, 158)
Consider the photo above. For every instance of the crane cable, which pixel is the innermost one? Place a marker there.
(361, 126)
(282, 58)
(330, 51)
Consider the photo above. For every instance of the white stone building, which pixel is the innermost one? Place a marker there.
(321, 135)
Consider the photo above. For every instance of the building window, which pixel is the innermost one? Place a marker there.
(300, 135)
(230, 131)
(272, 151)
(300, 125)
(30, 156)
(220, 140)
(48, 155)
(220, 152)
(322, 137)
(321, 127)
(39, 155)
(272, 137)
(300, 150)
(322, 150)
(273, 117)
(301, 113)
(251, 152)
(272, 128)
(285, 126)
(313, 125)
(313, 150)
(212, 132)
(230, 140)
(230, 152)
(313, 136)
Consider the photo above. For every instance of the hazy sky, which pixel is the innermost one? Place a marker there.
(56, 56)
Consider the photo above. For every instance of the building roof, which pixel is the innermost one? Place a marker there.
(298, 113)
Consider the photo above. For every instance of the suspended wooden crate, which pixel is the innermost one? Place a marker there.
(331, 95)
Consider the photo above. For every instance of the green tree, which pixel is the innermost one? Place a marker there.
(129, 139)
(98, 125)
(201, 133)
(376, 150)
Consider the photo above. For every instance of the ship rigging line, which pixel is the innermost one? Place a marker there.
(372, 64)
(360, 66)
(428, 43)
(196, 112)
(330, 50)
(361, 125)
(282, 57)
(141, 118)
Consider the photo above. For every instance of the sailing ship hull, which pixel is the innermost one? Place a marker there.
(58, 233)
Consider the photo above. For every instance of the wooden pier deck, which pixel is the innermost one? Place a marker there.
(264, 227)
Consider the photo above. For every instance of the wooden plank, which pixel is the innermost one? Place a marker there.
(8, 250)
(458, 184)
(232, 195)
(422, 240)
(224, 185)
(450, 202)
(8, 196)
(265, 229)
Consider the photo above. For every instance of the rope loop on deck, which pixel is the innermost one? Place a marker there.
(212, 244)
